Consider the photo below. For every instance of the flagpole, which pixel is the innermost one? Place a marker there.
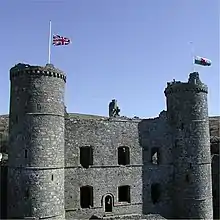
(49, 48)
(193, 56)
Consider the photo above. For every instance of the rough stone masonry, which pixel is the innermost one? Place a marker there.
(73, 166)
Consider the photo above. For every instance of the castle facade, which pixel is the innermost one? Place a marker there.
(76, 166)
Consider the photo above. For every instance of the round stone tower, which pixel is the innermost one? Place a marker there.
(187, 112)
(36, 142)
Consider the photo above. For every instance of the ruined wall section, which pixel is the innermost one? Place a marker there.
(156, 141)
(36, 143)
(105, 175)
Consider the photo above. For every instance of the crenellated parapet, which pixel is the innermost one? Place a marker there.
(193, 85)
(185, 87)
(24, 69)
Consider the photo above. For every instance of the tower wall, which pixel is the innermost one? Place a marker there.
(36, 143)
(188, 117)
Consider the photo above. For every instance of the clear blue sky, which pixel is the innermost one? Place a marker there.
(123, 49)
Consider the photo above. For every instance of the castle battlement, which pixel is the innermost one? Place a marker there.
(48, 70)
(193, 85)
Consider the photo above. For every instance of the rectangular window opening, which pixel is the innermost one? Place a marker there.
(155, 193)
(86, 156)
(26, 193)
(123, 155)
(86, 197)
(124, 194)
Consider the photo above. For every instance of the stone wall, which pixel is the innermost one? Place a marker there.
(155, 140)
(105, 175)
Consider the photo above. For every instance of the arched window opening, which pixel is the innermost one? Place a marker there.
(108, 203)
(86, 156)
(123, 155)
(155, 192)
(124, 194)
(86, 196)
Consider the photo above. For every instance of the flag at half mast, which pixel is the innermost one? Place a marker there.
(202, 61)
(60, 40)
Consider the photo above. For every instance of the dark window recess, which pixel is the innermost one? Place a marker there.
(155, 155)
(25, 153)
(190, 166)
(123, 156)
(155, 192)
(38, 107)
(52, 177)
(214, 192)
(176, 143)
(26, 106)
(182, 126)
(86, 196)
(1, 139)
(26, 194)
(124, 194)
(86, 156)
(94, 217)
(187, 178)
(16, 119)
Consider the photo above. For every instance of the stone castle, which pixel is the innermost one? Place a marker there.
(73, 166)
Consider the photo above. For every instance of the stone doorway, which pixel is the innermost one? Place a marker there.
(108, 203)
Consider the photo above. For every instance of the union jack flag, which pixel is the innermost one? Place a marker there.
(59, 40)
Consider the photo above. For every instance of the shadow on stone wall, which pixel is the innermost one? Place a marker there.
(4, 142)
(141, 126)
(215, 178)
(4, 172)
(145, 158)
